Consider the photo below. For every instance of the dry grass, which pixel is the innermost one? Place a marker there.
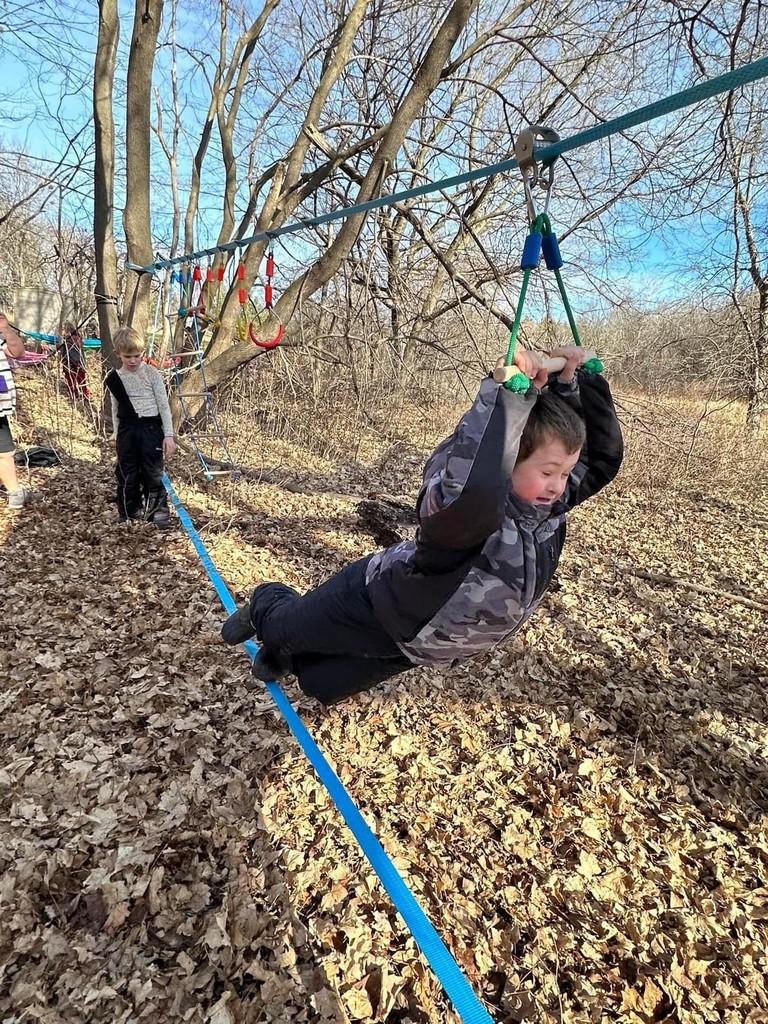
(690, 442)
(673, 441)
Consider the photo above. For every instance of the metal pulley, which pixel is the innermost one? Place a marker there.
(525, 155)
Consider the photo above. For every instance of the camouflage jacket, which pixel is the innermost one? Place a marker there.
(482, 559)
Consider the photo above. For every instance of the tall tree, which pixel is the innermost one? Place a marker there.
(138, 129)
(314, 107)
(743, 157)
(289, 187)
(731, 191)
(104, 173)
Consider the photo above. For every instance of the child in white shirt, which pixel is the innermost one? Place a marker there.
(143, 432)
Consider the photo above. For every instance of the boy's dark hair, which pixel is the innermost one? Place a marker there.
(552, 419)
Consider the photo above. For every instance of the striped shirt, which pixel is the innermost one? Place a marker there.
(7, 387)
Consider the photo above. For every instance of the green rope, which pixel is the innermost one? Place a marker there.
(591, 365)
(568, 310)
(536, 225)
(520, 383)
(518, 319)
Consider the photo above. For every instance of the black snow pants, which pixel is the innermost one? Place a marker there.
(335, 644)
(139, 469)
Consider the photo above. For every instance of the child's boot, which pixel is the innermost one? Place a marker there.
(18, 499)
(269, 666)
(161, 519)
(238, 628)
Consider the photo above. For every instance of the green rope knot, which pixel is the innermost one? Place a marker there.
(519, 384)
(593, 366)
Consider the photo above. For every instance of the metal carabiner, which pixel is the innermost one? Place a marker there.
(525, 155)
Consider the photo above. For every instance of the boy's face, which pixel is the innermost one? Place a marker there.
(131, 361)
(541, 478)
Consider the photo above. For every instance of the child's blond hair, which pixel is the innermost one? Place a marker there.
(127, 341)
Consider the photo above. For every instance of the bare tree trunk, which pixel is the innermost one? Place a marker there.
(740, 152)
(757, 387)
(751, 310)
(285, 194)
(171, 149)
(228, 84)
(136, 220)
(104, 173)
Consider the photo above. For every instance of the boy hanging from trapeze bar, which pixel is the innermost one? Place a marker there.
(492, 514)
(492, 520)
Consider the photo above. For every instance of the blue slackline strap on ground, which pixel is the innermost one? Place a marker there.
(447, 971)
(677, 101)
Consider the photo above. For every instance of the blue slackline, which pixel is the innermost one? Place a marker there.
(677, 101)
(52, 339)
(49, 338)
(435, 952)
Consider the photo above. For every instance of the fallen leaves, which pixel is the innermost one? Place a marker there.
(582, 814)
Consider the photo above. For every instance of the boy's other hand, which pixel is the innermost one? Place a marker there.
(525, 362)
(169, 446)
(574, 357)
(530, 363)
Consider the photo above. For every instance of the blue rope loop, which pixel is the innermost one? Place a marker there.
(550, 250)
(531, 251)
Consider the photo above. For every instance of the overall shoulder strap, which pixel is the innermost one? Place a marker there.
(113, 382)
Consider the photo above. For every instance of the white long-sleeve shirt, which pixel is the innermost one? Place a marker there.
(146, 389)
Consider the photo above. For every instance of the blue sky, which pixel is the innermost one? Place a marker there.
(45, 88)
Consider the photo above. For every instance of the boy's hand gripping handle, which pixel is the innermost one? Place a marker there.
(552, 364)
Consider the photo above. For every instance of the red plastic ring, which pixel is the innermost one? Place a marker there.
(266, 344)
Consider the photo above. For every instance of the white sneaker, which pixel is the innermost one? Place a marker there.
(17, 499)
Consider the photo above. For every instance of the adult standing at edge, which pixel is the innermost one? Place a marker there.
(10, 345)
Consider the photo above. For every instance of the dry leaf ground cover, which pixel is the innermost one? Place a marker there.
(582, 813)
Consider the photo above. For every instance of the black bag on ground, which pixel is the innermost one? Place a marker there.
(36, 456)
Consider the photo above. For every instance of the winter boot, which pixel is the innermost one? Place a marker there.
(269, 666)
(161, 519)
(238, 628)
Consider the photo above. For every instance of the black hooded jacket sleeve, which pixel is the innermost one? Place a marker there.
(603, 452)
